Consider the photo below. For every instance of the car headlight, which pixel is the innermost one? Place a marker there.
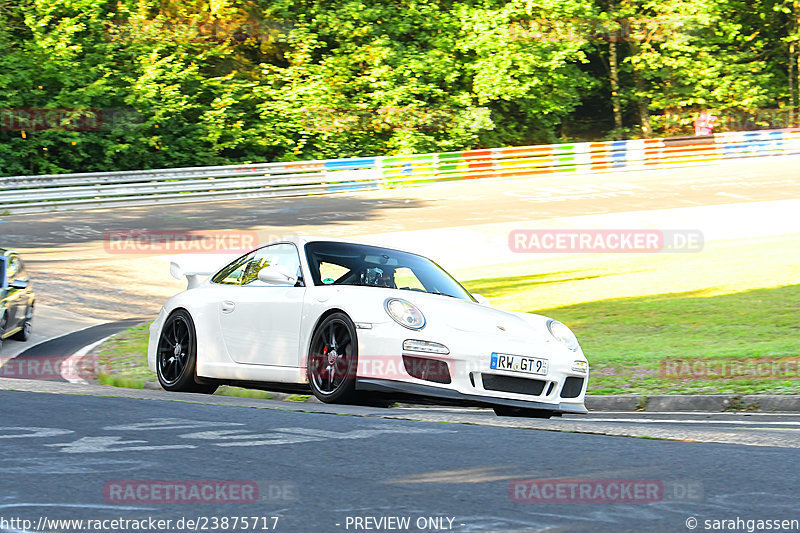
(404, 313)
(562, 334)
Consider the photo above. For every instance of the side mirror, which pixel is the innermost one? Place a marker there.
(275, 275)
(483, 300)
(19, 284)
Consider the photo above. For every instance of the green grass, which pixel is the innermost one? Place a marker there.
(298, 398)
(631, 342)
(123, 359)
(240, 392)
(113, 380)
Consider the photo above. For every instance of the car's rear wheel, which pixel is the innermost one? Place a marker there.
(521, 412)
(176, 357)
(333, 359)
(25, 333)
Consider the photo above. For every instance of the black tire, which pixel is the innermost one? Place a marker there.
(176, 355)
(333, 359)
(3, 322)
(25, 333)
(521, 412)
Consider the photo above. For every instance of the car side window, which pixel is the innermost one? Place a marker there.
(234, 272)
(283, 256)
(244, 271)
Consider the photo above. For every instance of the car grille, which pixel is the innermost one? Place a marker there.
(572, 387)
(531, 387)
(427, 369)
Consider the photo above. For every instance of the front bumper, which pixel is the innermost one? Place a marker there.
(420, 389)
(464, 375)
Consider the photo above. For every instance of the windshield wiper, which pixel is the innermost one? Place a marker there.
(428, 292)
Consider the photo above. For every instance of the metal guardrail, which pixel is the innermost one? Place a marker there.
(27, 194)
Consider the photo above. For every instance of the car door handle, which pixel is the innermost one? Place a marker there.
(228, 307)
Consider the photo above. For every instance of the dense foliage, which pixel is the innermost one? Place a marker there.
(89, 85)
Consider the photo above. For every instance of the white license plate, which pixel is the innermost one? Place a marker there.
(518, 363)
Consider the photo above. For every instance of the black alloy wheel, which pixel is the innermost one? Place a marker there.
(176, 358)
(333, 359)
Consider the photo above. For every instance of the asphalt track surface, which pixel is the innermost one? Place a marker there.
(70, 343)
(48, 323)
(432, 206)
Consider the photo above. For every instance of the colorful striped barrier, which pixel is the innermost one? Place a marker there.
(181, 185)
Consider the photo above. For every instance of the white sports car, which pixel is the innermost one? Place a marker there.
(345, 319)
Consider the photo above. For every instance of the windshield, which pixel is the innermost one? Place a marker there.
(336, 263)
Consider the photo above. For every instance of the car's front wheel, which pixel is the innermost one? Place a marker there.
(3, 322)
(25, 333)
(176, 359)
(333, 359)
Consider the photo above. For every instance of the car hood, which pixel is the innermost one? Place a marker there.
(466, 316)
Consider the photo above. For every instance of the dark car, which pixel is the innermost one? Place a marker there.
(16, 298)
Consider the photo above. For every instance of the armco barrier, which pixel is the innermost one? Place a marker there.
(21, 194)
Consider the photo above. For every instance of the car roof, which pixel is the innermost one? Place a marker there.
(301, 240)
(307, 239)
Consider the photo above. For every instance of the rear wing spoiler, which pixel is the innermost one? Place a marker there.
(193, 276)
